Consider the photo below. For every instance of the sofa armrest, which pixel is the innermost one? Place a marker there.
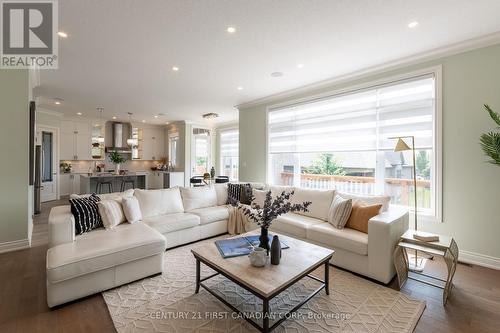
(61, 226)
(384, 232)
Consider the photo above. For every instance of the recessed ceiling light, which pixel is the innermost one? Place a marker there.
(57, 103)
(114, 117)
(167, 123)
(277, 74)
(239, 88)
(156, 117)
(299, 66)
(79, 113)
(62, 34)
(175, 68)
(143, 121)
(231, 29)
(413, 24)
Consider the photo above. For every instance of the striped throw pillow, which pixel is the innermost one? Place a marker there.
(111, 212)
(86, 214)
(239, 193)
(340, 211)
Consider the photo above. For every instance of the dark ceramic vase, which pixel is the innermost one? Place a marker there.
(264, 239)
(275, 250)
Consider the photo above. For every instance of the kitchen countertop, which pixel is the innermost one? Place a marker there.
(132, 174)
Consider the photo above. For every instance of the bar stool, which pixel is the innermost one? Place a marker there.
(125, 181)
(104, 182)
(221, 179)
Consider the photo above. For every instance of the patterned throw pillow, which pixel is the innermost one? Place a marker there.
(239, 193)
(339, 212)
(86, 213)
(111, 212)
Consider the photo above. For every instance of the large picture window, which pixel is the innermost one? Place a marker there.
(342, 142)
(229, 147)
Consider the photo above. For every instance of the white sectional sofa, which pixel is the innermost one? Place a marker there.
(82, 265)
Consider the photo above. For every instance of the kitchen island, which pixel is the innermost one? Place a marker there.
(88, 182)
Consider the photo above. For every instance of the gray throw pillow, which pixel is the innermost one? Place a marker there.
(340, 211)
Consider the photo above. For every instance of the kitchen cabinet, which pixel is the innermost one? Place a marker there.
(153, 144)
(75, 140)
(155, 180)
(69, 184)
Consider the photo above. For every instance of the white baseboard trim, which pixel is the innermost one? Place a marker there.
(479, 259)
(14, 245)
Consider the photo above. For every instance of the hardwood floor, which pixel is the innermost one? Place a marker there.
(474, 305)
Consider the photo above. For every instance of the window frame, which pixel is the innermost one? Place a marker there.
(437, 174)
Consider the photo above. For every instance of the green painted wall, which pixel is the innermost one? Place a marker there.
(471, 187)
(14, 125)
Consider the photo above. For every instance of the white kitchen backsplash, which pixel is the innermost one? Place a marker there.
(83, 166)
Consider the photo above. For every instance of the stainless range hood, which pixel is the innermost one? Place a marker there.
(117, 134)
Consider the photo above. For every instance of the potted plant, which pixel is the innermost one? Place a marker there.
(116, 159)
(490, 142)
(273, 207)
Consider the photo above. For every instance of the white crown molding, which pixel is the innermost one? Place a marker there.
(50, 112)
(479, 259)
(434, 54)
(14, 245)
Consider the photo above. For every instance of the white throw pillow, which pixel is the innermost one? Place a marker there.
(111, 212)
(277, 190)
(131, 209)
(339, 212)
(321, 200)
(259, 197)
(198, 197)
(369, 200)
(159, 202)
(221, 191)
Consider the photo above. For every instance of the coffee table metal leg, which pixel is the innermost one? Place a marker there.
(327, 278)
(197, 276)
(265, 315)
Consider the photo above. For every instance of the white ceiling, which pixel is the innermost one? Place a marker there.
(119, 53)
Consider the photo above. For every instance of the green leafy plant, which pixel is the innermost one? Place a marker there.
(116, 158)
(490, 142)
(325, 164)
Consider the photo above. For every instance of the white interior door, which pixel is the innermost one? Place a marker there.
(48, 138)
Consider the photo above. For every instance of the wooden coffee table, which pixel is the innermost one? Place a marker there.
(267, 282)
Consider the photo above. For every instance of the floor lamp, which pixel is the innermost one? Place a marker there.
(401, 145)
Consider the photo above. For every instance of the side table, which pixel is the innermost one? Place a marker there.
(446, 247)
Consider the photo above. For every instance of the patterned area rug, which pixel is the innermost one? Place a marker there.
(167, 303)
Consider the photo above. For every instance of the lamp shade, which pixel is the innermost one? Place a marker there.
(401, 146)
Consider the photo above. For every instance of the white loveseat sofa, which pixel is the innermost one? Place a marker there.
(79, 266)
(369, 254)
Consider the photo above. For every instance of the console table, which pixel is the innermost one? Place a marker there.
(446, 247)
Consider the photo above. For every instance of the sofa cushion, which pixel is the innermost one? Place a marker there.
(384, 200)
(294, 224)
(165, 224)
(321, 201)
(221, 191)
(107, 196)
(360, 215)
(111, 212)
(159, 202)
(278, 189)
(346, 239)
(211, 214)
(198, 197)
(132, 209)
(102, 249)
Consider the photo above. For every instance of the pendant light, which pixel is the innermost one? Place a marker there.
(100, 138)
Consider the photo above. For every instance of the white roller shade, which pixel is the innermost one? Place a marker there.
(229, 143)
(358, 121)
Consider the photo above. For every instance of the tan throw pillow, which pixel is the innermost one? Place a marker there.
(111, 213)
(360, 215)
(340, 211)
(131, 209)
